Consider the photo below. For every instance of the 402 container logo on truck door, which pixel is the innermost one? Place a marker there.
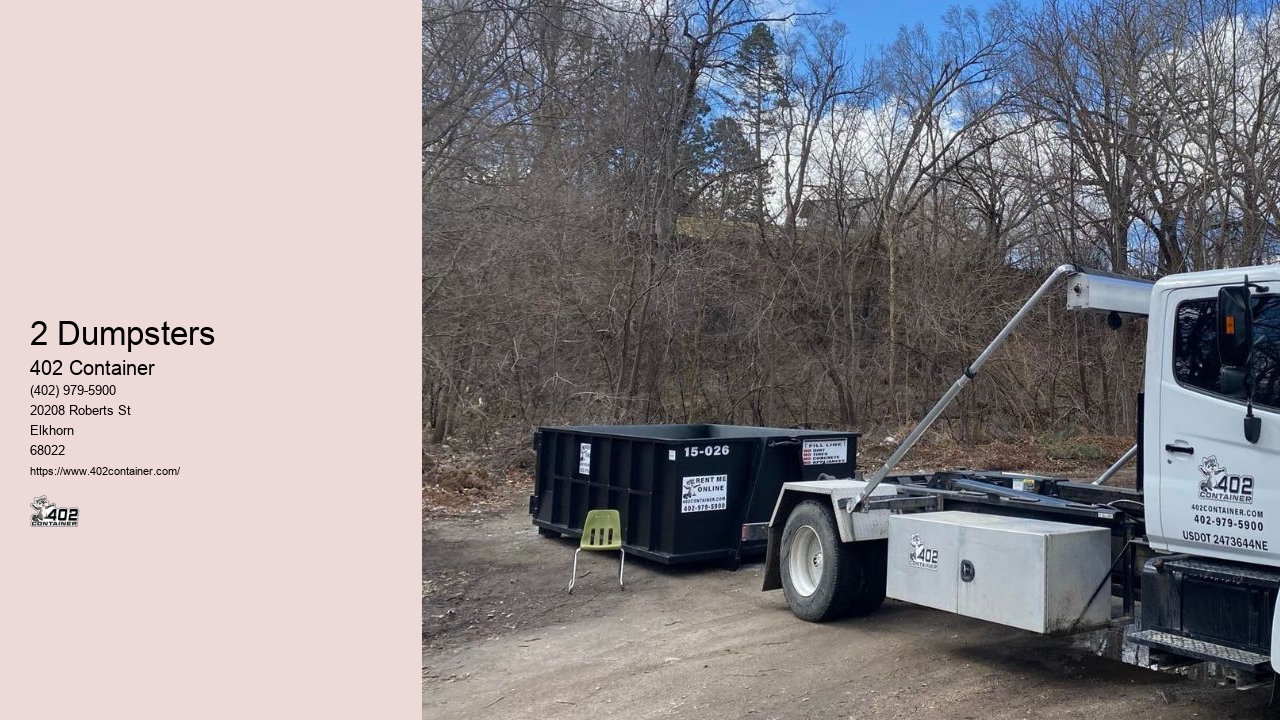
(1217, 484)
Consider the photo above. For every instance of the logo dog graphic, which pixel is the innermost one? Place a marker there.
(44, 509)
(1209, 470)
(917, 549)
(922, 555)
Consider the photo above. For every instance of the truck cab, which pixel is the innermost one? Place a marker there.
(1210, 465)
(1211, 490)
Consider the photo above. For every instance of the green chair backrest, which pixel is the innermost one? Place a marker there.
(602, 530)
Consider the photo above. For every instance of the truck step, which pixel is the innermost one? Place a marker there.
(1200, 650)
(1224, 572)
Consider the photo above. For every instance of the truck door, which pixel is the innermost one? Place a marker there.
(1219, 494)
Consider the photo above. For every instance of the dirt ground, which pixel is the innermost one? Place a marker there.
(502, 639)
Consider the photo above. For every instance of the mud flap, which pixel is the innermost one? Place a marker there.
(772, 561)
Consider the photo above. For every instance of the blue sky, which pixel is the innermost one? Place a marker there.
(872, 24)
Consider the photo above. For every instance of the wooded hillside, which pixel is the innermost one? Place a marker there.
(695, 211)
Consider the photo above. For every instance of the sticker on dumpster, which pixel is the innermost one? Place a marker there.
(704, 492)
(584, 459)
(825, 452)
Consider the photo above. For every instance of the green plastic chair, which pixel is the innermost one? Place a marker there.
(602, 530)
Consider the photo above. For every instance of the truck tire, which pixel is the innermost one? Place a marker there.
(823, 578)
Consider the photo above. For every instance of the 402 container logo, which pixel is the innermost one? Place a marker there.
(50, 515)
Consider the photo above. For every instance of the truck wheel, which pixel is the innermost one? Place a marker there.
(820, 574)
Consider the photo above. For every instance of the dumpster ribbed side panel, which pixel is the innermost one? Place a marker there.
(683, 491)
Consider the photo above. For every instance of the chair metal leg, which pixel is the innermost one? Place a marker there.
(574, 574)
(621, 561)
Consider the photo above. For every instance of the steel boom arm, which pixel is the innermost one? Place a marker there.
(969, 373)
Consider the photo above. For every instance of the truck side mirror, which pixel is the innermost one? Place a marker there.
(1235, 325)
(1231, 381)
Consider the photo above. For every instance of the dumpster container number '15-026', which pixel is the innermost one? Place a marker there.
(685, 492)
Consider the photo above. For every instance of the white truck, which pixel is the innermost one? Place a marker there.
(1191, 555)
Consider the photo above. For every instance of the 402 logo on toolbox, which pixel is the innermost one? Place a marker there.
(921, 555)
(49, 514)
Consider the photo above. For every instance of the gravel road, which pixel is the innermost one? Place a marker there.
(502, 639)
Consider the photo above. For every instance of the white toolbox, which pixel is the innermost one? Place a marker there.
(1031, 574)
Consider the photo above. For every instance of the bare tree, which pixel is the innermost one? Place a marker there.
(608, 238)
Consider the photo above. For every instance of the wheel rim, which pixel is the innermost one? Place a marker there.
(806, 561)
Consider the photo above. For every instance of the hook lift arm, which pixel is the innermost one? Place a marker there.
(970, 372)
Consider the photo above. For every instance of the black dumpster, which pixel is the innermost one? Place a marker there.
(685, 492)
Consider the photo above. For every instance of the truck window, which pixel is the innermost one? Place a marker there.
(1195, 348)
(1266, 351)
